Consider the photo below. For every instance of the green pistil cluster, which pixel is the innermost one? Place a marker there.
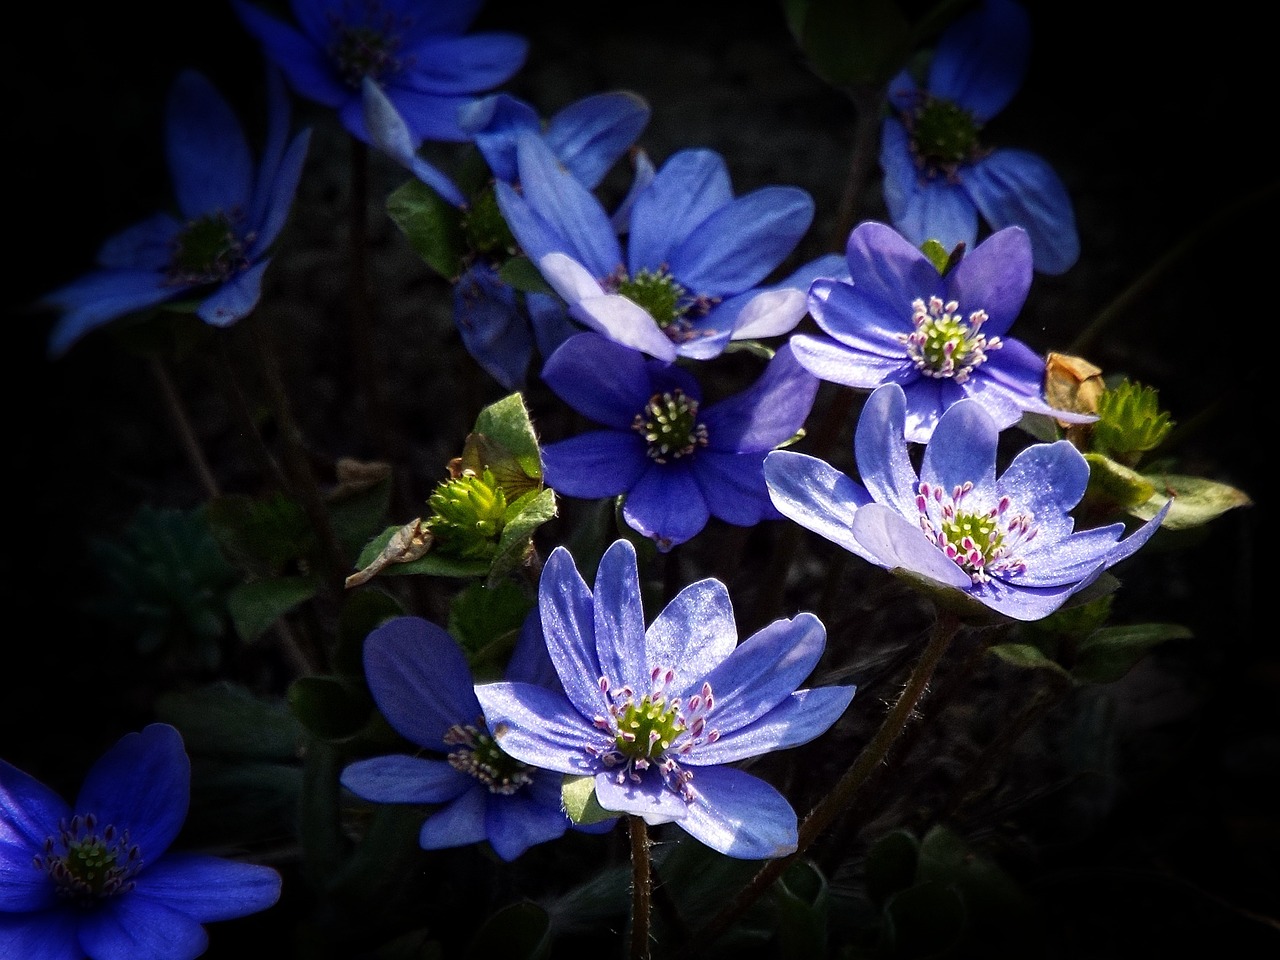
(91, 865)
(468, 513)
(484, 227)
(669, 423)
(1130, 422)
(945, 344)
(207, 250)
(480, 756)
(973, 533)
(363, 51)
(658, 293)
(943, 134)
(647, 729)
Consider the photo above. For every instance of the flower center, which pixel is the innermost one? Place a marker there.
(86, 864)
(481, 757)
(651, 730)
(943, 136)
(665, 299)
(366, 46)
(208, 250)
(669, 424)
(468, 514)
(943, 343)
(983, 543)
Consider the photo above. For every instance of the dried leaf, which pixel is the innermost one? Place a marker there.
(407, 544)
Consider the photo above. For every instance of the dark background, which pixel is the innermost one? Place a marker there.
(1160, 126)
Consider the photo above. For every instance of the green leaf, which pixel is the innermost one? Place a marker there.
(1025, 655)
(431, 563)
(1108, 654)
(1115, 483)
(578, 794)
(227, 720)
(1196, 500)
(256, 606)
(891, 865)
(925, 920)
(988, 891)
(507, 423)
(521, 273)
(432, 225)
(240, 801)
(358, 516)
(863, 43)
(485, 620)
(329, 707)
(265, 537)
(361, 613)
(521, 931)
(531, 512)
(803, 903)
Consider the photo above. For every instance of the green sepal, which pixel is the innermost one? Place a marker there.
(521, 273)
(1027, 655)
(255, 606)
(432, 225)
(851, 44)
(523, 517)
(506, 422)
(803, 901)
(937, 254)
(578, 795)
(753, 347)
(1112, 483)
(485, 620)
(1197, 500)
(1108, 654)
(519, 931)
(330, 707)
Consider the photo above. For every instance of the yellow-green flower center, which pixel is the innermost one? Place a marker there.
(669, 425)
(647, 728)
(479, 755)
(658, 293)
(944, 135)
(982, 542)
(943, 343)
(87, 865)
(207, 251)
(369, 48)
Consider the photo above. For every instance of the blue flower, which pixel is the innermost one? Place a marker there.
(677, 463)
(228, 215)
(688, 282)
(656, 715)
(419, 53)
(1006, 542)
(938, 177)
(423, 687)
(940, 337)
(97, 879)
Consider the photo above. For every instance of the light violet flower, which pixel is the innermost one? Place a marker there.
(228, 214)
(939, 336)
(1007, 542)
(938, 177)
(656, 716)
(98, 879)
(677, 462)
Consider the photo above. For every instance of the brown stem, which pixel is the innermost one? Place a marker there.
(182, 426)
(641, 887)
(868, 103)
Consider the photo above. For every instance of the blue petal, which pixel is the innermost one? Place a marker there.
(693, 633)
(541, 727)
(591, 134)
(767, 413)
(595, 464)
(1014, 187)
(552, 325)
(48, 935)
(763, 671)
(568, 624)
(828, 360)
(420, 679)
(209, 160)
(530, 662)
(937, 210)
(277, 195)
(860, 319)
(894, 542)
(304, 63)
(601, 379)
(1046, 480)
(430, 116)
(389, 132)
(880, 449)
(491, 325)
(147, 245)
(619, 618)
(235, 299)
(666, 505)
(458, 823)
(817, 496)
(981, 58)
(886, 266)
(740, 815)
(427, 19)
(23, 887)
(29, 814)
(928, 398)
(733, 486)
(804, 715)
(962, 450)
(1028, 603)
(398, 778)
(689, 187)
(514, 824)
(650, 798)
(643, 174)
(464, 65)
(101, 297)
(136, 928)
(755, 314)
(495, 123)
(897, 163)
(207, 888)
(273, 147)
(739, 244)
(995, 276)
(142, 784)
(1004, 406)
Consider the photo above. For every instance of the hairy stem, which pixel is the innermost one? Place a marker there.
(182, 426)
(641, 888)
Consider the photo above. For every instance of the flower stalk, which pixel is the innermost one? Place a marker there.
(641, 888)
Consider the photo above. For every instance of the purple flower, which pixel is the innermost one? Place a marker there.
(657, 715)
(418, 53)
(423, 687)
(677, 463)
(938, 177)
(1006, 542)
(229, 214)
(689, 280)
(97, 879)
(940, 337)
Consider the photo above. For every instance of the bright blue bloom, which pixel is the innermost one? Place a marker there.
(97, 879)
(688, 282)
(228, 215)
(421, 683)
(1007, 542)
(940, 337)
(389, 132)
(656, 716)
(419, 53)
(937, 176)
(677, 463)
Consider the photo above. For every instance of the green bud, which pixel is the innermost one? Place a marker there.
(467, 515)
(1130, 422)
